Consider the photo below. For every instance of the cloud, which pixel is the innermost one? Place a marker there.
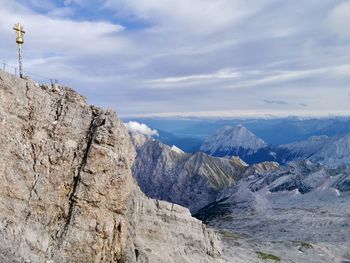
(339, 19)
(135, 127)
(278, 102)
(151, 57)
(218, 75)
(302, 104)
(250, 78)
(193, 17)
(242, 114)
(47, 33)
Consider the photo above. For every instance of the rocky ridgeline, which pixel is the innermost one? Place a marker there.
(190, 180)
(67, 193)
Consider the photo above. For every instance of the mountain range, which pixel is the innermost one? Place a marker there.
(285, 212)
(274, 131)
(332, 151)
(239, 141)
(191, 180)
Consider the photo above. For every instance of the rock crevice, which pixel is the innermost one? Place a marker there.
(95, 123)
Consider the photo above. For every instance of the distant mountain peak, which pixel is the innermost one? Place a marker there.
(230, 138)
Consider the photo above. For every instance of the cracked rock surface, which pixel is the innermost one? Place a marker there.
(66, 189)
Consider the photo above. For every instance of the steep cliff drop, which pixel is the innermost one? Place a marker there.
(66, 189)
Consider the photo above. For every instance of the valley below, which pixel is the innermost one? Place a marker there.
(291, 229)
(298, 211)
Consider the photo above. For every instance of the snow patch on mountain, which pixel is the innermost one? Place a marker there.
(177, 150)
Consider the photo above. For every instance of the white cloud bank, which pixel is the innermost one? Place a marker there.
(140, 128)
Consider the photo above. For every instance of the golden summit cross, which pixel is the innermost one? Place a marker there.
(19, 40)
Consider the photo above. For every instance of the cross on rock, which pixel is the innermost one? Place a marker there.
(20, 31)
(19, 40)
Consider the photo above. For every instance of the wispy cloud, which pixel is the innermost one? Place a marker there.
(277, 102)
(221, 74)
(233, 79)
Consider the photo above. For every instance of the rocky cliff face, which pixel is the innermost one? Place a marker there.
(66, 190)
(165, 232)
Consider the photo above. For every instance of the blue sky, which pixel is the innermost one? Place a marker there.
(207, 58)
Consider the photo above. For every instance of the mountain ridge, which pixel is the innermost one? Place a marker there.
(192, 180)
(332, 151)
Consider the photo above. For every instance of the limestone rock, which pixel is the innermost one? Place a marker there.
(67, 193)
(157, 223)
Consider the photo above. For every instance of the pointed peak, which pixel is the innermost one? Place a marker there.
(228, 127)
(176, 149)
(231, 129)
(239, 161)
(228, 138)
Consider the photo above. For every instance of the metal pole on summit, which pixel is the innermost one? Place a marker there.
(19, 40)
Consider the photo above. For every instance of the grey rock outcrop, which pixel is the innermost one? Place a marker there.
(67, 193)
(165, 232)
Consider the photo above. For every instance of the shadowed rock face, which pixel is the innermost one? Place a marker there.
(67, 193)
(190, 180)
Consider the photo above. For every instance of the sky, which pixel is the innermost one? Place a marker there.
(200, 58)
